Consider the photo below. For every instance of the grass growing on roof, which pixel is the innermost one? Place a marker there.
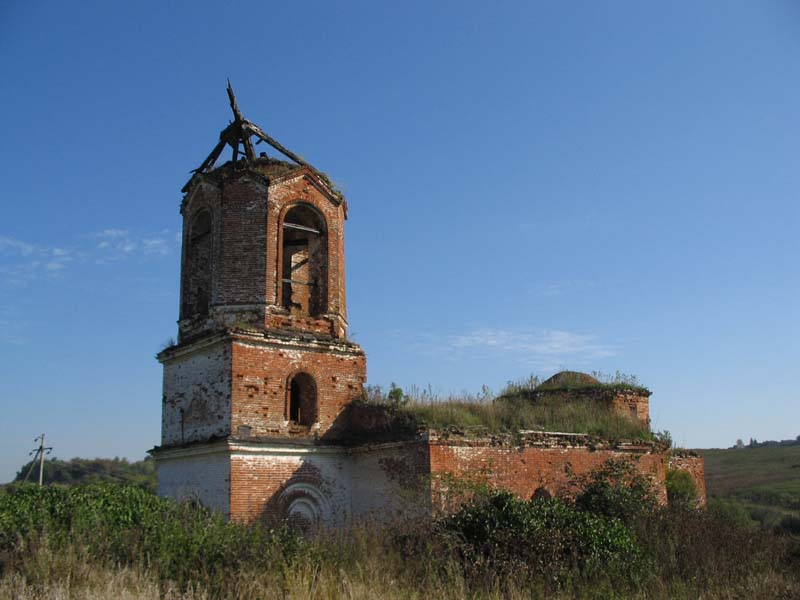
(567, 381)
(509, 413)
(512, 414)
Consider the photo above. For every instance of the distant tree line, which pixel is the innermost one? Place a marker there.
(75, 471)
(754, 443)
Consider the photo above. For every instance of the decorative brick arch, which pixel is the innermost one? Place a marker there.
(303, 503)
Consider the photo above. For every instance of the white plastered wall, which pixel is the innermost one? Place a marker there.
(202, 477)
(196, 402)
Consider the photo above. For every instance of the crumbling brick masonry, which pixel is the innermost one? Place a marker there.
(257, 391)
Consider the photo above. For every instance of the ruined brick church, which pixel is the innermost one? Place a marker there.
(258, 420)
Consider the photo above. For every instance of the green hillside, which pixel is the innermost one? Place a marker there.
(762, 481)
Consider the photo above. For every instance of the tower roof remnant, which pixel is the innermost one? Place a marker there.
(238, 135)
(567, 379)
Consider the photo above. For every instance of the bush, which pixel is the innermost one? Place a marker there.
(126, 525)
(732, 512)
(707, 548)
(616, 490)
(541, 538)
(681, 489)
(495, 546)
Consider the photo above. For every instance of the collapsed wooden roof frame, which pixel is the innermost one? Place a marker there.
(237, 134)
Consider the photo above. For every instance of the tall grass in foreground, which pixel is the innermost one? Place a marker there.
(613, 542)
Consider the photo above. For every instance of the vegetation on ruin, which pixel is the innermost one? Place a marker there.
(611, 541)
(574, 381)
(514, 414)
(681, 489)
(509, 413)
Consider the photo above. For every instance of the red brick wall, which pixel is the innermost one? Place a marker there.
(243, 225)
(284, 193)
(415, 478)
(632, 404)
(390, 480)
(257, 483)
(247, 211)
(378, 483)
(206, 196)
(261, 372)
(525, 469)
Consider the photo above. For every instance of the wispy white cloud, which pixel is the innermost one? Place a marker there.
(548, 343)
(113, 233)
(22, 262)
(544, 350)
(559, 288)
(156, 245)
(118, 244)
(8, 244)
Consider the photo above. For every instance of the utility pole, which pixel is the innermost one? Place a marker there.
(39, 453)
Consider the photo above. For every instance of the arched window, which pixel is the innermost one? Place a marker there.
(302, 400)
(304, 272)
(197, 268)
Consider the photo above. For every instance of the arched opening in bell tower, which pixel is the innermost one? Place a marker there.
(197, 266)
(304, 269)
(302, 400)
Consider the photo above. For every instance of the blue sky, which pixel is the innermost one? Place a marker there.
(532, 186)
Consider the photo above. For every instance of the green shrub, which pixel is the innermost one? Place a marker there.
(731, 512)
(617, 490)
(707, 548)
(496, 546)
(681, 489)
(126, 525)
(544, 538)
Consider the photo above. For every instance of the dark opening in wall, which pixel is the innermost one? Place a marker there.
(541, 494)
(303, 400)
(304, 272)
(197, 269)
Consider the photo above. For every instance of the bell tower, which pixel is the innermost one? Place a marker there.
(263, 242)
(262, 352)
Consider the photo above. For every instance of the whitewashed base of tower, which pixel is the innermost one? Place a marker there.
(322, 485)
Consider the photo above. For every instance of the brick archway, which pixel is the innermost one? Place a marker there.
(301, 401)
(303, 261)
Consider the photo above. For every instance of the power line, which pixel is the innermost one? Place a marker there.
(39, 453)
